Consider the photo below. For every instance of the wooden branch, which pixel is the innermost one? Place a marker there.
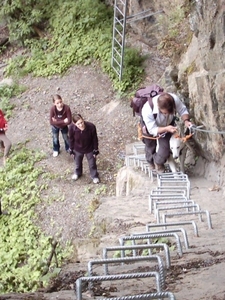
(40, 33)
(53, 253)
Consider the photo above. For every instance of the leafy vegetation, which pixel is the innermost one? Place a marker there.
(7, 92)
(74, 32)
(25, 251)
(24, 18)
(177, 30)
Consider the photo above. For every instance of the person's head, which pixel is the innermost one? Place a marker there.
(166, 104)
(58, 102)
(78, 121)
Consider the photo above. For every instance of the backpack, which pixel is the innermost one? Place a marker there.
(143, 95)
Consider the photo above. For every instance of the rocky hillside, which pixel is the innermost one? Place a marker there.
(191, 35)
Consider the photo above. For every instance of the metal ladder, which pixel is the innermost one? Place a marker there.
(118, 41)
(119, 31)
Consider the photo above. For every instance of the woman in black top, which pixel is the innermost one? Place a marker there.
(83, 140)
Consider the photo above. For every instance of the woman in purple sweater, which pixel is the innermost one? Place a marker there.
(83, 140)
(60, 118)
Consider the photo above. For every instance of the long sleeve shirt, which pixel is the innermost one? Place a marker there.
(161, 120)
(3, 122)
(83, 141)
(60, 116)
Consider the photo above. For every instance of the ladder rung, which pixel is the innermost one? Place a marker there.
(117, 31)
(124, 3)
(117, 72)
(121, 13)
(118, 43)
(115, 60)
(117, 52)
(132, 18)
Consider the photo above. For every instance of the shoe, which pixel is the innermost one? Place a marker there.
(96, 180)
(75, 177)
(160, 169)
(55, 153)
(151, 166)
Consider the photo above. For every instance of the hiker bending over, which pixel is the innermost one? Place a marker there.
(83, 140)
(4, 141)
(159, 120)
(60, 118)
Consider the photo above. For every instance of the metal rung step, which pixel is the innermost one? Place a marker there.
(139, 247)
(80, 280)
(165, 225)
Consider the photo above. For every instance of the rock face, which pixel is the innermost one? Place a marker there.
(205, 59)
(197, 74)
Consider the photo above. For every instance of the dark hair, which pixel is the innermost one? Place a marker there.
(56, 97)
(166, 101)
(76, 117)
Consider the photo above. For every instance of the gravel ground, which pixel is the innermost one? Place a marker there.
(88, 91)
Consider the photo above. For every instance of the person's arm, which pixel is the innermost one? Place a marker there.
(68, 115)
(186, 120)
(71, 139)
(52, 116)
(95, 141)
(168, 128)
(6, 127)
(95, 138)
(182, 111)
(149, 119)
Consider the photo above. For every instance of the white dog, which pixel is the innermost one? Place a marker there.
(178, 150)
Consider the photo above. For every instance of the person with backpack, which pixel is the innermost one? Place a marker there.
(83, 140)
(60, 118)
(159, 125)
(4, 141)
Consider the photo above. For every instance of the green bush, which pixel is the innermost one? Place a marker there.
(7, 92)
(24, 18)
(78, 32)
(24, 248)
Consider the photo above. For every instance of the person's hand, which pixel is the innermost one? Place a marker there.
(66, 120)
(70, 151)
(6, 127)
(95, 153)
(171, 129)
(187, 123)
(54, 119)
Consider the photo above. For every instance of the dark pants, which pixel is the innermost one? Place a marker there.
(163, 153)
(55, 137)
(78, 158)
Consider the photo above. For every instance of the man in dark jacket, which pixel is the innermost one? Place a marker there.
(83, 140)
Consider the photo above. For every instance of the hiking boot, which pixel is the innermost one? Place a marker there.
(160, 169)
(55, 153)
(75, 177)
(151, 166)
(95, 180)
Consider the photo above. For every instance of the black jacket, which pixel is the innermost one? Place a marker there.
(83, 141)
